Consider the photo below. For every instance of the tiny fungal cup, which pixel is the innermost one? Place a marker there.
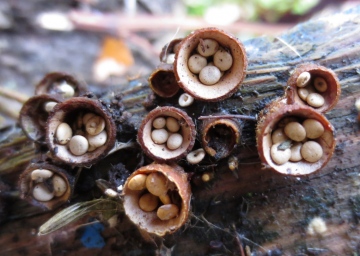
(61, 84)
(171, 141)
(46, 185)
(220, 136)
(226, 64)
(165, 212)
(169, 50)
(34, 114)
(92, 136)
(294, 139)
(185, 100)
(163, 82)
(315, 86)
(196, 156)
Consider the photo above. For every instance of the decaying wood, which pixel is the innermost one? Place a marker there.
(250, 209)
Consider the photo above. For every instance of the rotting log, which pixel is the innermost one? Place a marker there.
(251, 209)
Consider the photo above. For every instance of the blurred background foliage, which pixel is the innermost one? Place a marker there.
(268, 10)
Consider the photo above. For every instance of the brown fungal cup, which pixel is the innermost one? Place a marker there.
(178, 189)
(34, 114)
(51, 84)
(279, 115)
(46, 185)
(227, 82)
(220, 136)
(163, 82)
(330, 94)
(155, 141)
(169, 48)
(77, 115)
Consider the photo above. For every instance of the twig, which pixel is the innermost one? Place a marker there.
(288, 45)
(15, 95)
(9, 111)
(10, 164)
(134, 100)
(248, 240)
(235, 233)
(121, 145)
(238, 241)
(252, 118)
(136, 110)
(114, 22)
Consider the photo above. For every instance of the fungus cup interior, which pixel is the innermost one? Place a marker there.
(148, 221)
(231, 79)
(270, 123)
(68, 112)
(33, 117)
(160, 152)
(220, 137)
(26, 186)
(331, 95)
(163, 82)
(46, 85)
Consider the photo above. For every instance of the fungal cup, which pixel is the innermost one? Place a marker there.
(34, 114)
(160, 150)
(279, 114)
(163, 82)
(61, 84)
(202, 86)
(322, 91)
(220, 136)
(78, 151)
(162, 217)
(46, 185)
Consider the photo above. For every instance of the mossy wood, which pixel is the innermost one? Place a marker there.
(248, 209)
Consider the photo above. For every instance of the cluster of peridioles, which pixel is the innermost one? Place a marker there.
(293, 135)
(209, 65)
(76, 130)
(303, 138)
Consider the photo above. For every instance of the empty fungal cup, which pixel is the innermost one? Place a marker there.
(220, 136)
(163, 82)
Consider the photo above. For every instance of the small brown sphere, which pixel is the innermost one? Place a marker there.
(311, 151)
(138, 182)
(148, 202)
(279, 156)
(156, 183)
(314, 129)
(295, 131)
(278, 136)
(167, 211)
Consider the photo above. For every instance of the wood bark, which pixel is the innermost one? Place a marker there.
(248, 210)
